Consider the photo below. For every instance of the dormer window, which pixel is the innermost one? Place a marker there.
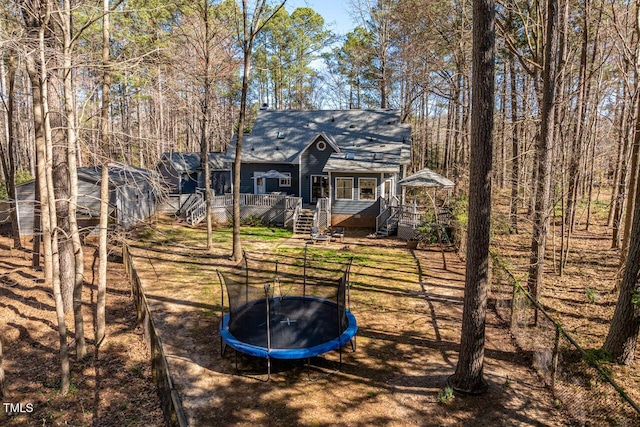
(281, 135)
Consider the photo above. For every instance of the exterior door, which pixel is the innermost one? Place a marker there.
(319, 187)
(261, 185)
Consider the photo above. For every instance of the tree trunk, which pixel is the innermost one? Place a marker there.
(204, 123)
(8, 157)
(237, 244)
(104, 183)
(78, 280)
(468, 377)
(515, 146)
(543, 148)
(62, 192)
(622, 338)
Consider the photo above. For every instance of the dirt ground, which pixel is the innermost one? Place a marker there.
(111, 387)
(409, 311)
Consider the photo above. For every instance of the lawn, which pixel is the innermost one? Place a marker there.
(408, 310)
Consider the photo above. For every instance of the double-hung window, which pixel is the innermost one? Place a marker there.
(285, 182)
(344, 188)
(367, 187)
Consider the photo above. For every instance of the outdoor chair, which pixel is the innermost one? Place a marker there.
(317, 236)
(337, 233)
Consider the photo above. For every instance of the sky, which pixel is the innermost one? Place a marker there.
(335, 13)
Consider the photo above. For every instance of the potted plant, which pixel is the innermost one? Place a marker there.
(412, 242)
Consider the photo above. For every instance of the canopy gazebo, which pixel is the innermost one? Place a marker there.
(427, 179)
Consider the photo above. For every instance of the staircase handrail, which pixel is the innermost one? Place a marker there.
(197, 211)
(296, 213)
(384, 214)
(393, 218)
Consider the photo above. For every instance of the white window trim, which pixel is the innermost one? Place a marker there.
(285, 182)
(383, 182)
(318, 145)
(311, 184)
(352, 189)
(375, 188)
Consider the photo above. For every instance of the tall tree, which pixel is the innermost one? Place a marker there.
(66, 26)
(7, 156)
(543, 149)
(622, 337)
(250, 25)
(104, 181)
(468, 377)
(205, 104)
(37, 20)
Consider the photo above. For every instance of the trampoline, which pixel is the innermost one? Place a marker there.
(304, 321)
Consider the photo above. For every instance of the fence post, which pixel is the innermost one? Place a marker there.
(554, 364)
(513, 304)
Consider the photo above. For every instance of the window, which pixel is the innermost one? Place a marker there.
(367, 188)
(350, 156)
(321, 145)
(344, 188)
(285, 182)
(281, 135)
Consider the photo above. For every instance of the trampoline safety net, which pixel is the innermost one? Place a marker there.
(297, 303)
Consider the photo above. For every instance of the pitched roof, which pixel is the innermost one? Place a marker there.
(190, 162)
(120, 174)
(281, 136)
(426, 178)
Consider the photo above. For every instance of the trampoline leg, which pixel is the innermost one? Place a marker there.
(353, 343)
(223, 347)
(268, 368)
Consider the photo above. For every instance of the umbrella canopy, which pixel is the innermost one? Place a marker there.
(271, 174)
(426, 178)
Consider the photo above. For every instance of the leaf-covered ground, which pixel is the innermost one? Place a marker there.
(112, 389)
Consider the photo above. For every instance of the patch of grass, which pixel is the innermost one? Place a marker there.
(265, 233)
(635, 298)
(592, 295)
(445, 395)
(136, 370)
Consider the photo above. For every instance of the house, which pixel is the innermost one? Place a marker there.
(132, 197)
(183, 173)
(350, 158)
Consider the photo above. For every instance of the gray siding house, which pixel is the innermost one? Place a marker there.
(352, 158)
(132, 197)
(183, 173)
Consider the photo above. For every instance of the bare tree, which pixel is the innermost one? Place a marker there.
(468, 377)
(37, 19)
(250, 25)
(104, 182)
(71, 151)
(622, 337)
(7, 157)
(204, 120)
(543, 148)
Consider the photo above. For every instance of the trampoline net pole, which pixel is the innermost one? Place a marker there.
(304, 274)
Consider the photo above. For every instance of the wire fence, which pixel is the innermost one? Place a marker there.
(579, 382)
(169, 398)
